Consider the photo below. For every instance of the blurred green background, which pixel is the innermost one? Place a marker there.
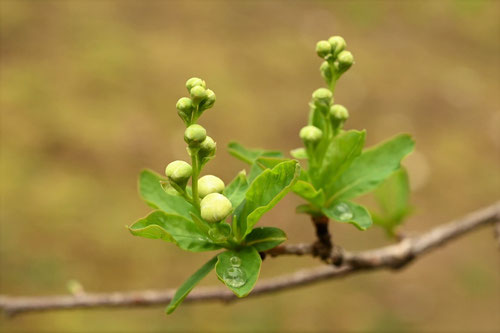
(88, 93)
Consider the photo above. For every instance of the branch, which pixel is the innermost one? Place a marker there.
(392, 256)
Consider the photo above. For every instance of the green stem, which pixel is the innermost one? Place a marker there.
(194, 177)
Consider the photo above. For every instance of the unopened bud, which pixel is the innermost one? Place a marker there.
(209, 101)
(198, 94)
(195, 135)
(215, 207)
(184, 108)
(179, 172)
(194, 81)
(207, 147)
(323, 48)
(338, 44)
(326, 73)
(345, 61)
(339, 112)
(210, 184)
(322, 95)
(310, 134)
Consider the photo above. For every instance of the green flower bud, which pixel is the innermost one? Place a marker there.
(194, 81)
(185, 108)
(326, 73)
(345, 61)
(209, 101)
(198, 94)
(323, 48)
(185, 105)
(195, 135)
(339, 112)
(215, 207)
(322, 98)
(179, 172)
(207, 147)
(310, 134)
(338, 44)
(322, 95)
(210, 184)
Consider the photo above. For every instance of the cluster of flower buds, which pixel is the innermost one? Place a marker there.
(201, 99)
(337, 59)
(214, 206)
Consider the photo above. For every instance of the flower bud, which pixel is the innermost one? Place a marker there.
(209, 101)
(198, 94)
(210, 184)
(310, 134)
(326, 73)
(184, 108)
(195, 135)
(322, 95)
(323, 48)
(339, 112)
(338, 44)
(207, 147)
(345, 61)
(194, 81)
(179, 172)
(215, 207)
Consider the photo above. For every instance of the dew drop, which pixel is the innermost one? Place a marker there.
(343, 212)
(234, 277)
(220, 232)
(235, 261)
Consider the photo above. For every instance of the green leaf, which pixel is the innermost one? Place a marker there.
(250, 155)
(339, 155)
(371, 168)
(299, 153)
(393, 199)
(173, 228)
(349, 212)
(239, 270)
(237, 188)
(265, 238)
(264, 193)
(189, 284)
(307, 191)
(152, 192)
(263, 163)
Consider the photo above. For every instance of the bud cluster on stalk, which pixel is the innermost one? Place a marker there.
(326, 119)
(337, 58)
(205, 193)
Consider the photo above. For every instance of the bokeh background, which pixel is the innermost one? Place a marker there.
(88, 93)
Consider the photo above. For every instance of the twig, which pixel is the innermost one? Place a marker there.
(393, 256)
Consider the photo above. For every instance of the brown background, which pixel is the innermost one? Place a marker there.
(88, 92)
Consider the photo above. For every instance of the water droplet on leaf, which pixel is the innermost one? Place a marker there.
(235, 261)
(220, 232)
(343, 212)
(234, 277)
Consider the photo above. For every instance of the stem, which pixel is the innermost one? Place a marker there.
(323, 246)
(194, 177)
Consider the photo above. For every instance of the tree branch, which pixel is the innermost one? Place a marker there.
(392, 256)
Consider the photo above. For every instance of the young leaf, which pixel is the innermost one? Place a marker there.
(339, 155)
(265, 238)
(236, 189)
(371, 168)
(264, 193)
(263, 163)
(152, 192)
(189, 284)
(250, 155)
(239, 270)
(173, 228)
(393, 198)
(307, 191)
(349, 212)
